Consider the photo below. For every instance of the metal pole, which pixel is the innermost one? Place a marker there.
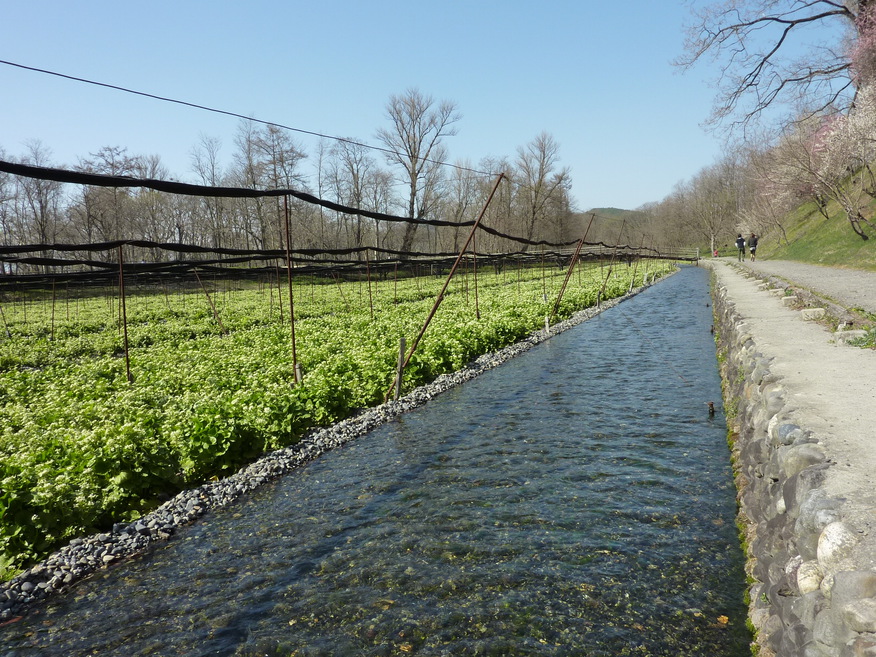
(611, 262)
(571, 269)
(474, 250)
(52, 336)
(295, 369)
(368, 273)
(400, 368)
(440, 296)
(210, 300)
(636, 268)
(124, 315)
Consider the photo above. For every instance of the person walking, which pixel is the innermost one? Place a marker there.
(752, 245)
(740, 244)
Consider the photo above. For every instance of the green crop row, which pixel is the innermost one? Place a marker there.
(82, 447)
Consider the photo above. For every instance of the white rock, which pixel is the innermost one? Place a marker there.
(809, 577)
(836, 542)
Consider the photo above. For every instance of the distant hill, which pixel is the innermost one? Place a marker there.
(608, 222)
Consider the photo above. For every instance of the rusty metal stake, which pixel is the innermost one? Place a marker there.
(210, 300)
(636, 267)
(368, 272)
(295, 369)
(440, 296)
(571, 269)
(611, 262)
(124, 315)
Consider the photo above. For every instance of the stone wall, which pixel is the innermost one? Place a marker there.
(812, 590)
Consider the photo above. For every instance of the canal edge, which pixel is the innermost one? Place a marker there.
(809, 592)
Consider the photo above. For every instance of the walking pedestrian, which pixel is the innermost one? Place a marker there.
(752, 245)
(740, 245)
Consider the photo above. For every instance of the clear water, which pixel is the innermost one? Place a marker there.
(576, 501)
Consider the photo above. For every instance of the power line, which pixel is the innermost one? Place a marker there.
(234, 114)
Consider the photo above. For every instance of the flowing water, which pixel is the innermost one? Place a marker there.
(577, 500)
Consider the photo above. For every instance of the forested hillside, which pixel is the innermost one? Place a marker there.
(797, 99)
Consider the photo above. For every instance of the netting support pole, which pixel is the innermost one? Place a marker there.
(124, 315)
(474, 252)
(5, 323)
(611, 264)
(368, 272)
(440, 296)
(570, 270)
(636, 268)
(295, 368)
(400, 368)
(52, 334)
(210, 300)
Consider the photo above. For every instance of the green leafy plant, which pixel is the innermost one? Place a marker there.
(81, 447)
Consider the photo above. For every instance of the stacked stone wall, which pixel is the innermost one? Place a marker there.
(812, 592)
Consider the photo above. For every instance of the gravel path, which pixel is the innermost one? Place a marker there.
(851, 288)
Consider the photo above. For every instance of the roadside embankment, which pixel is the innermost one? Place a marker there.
(801, 406)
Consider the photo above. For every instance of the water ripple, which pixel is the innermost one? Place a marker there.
(575, 501)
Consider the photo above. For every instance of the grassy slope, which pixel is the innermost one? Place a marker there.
(814, 239)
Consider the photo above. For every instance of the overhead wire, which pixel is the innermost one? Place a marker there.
(215, 110)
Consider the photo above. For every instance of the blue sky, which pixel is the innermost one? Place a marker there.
(594, 74)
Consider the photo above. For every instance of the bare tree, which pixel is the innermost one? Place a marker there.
(207, 165)
(541, 184)
(41, 198)
(461, 198)
(772, 194)
(754, 40)
(7, 210)
(152, 218)
(108, 208)
(710, 202)
(417, 128)
(499, 213)
(350, 172)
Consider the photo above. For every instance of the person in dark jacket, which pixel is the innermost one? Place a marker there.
(740, 244)
(752, 245)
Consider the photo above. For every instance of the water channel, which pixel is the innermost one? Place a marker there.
(578, 500)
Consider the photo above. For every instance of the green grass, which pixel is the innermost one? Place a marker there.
(814, 239)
